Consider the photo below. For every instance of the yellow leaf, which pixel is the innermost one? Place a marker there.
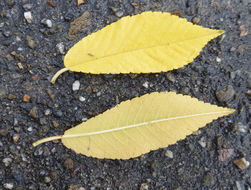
(140, 125)
(146, 43)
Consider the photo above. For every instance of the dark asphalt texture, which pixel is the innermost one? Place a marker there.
(32, 108)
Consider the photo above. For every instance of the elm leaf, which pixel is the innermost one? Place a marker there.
(137, 126)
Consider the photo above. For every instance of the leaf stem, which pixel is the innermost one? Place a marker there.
(54, 78)
(46, 140)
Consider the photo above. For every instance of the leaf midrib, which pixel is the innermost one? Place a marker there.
(141, 124)
(143, 48)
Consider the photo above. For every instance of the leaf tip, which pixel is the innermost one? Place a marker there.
(221, 32)
(231, 110)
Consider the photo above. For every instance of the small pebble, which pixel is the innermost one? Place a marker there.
(242, 48)
(84, 119)
(59, 113)
(169, 154)
(68, 163)
(98, 93)
(8, 185)
(12, 96)
(198, 132)
(47, 112)
(145, 84)
(46, 22)
(196, 20)
(20, 66)
(76, 85)
(170, 77)
(78, 24)
(54, 175)
(18, 39)
(81, 99)
(225, 94)
(9, 57)
(28, 16)
(95, 89)
(117, 12)
(225, 154)
(242, 128)
(243, 30)
(239, 185)
(26, 98)
(233, 74)
(242, 163)
(27, 6)
(47, 179)
(185, 90)
(60, 48)
(16, 137)
(55, 123)
(15, 122)
(202, 142)
(7, 33)
(17, 129)
(50, 93)
(80, 2)
(218, 59)
(49, 2)
(77, 187)
(232, 49)
(29, 129)
(10, 3)
(135, 5)
(20, 57)
(208, 180)
(34, 112)
(144, 186)
(3, 132)
(7, 161)
(248, 92)
(30, 42)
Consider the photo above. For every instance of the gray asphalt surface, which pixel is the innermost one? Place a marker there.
(35, 35)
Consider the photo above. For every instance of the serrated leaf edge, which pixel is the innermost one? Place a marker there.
(134, 125)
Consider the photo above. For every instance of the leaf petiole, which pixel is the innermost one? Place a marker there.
(54, 78)
(46, 140)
